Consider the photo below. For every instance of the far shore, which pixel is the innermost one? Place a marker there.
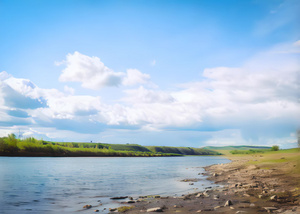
(256, 183)
(24, 154)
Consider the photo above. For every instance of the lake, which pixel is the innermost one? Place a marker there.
(64, 184)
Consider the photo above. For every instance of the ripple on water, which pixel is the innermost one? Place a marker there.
(62, 187)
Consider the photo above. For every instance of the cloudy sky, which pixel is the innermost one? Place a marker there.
(177, 73)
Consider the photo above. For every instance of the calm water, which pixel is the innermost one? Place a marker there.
(55, 185)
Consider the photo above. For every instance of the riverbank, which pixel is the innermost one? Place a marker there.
(31, 147)
(257, 183)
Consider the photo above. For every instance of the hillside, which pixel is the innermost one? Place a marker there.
(127, 147)
(242, 147)
(182, 150)
(11, 146)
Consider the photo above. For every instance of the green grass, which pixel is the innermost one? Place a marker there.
(32, 147)
(242, 147)
(287, 160)
(124, 208)
(182, 150)
(128, 147)
(11, 146)
(250, 151)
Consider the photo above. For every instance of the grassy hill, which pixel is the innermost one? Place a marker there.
(182, 150)
(11, 146)
(127, 147)
(243, 147)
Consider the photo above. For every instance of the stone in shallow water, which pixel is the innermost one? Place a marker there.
(118, 198)
(88, 206)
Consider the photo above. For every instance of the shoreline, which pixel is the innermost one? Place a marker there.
(247, 187)
(25, 154)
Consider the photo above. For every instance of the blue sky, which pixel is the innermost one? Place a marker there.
(182, 73)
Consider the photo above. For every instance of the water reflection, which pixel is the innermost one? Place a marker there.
(51, 185)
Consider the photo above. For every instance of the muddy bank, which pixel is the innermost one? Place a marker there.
(245, 188)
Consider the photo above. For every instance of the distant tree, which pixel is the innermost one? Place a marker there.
(275, 148)
(9, 144)
(11, 137)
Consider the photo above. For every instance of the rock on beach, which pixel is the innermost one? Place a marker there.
(155, 209)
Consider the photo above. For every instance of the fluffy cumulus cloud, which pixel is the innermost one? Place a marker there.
(93, 74)
(24, 103)
(90, 71)
(143, 95)
(257, 103)
(134, 76)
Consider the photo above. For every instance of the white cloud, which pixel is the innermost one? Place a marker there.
(90, 71)
(4, 75)
(68, 107)
(93, 74)
(143, 95)
(69, 90)
(134, 77)
(44, 104)
(23, 86)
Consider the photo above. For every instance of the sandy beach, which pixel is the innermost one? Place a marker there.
(249, 184)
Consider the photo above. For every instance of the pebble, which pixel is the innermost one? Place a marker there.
(216, 197)
(228, 203)
(155, 209)
(88, 206)
(270, 208)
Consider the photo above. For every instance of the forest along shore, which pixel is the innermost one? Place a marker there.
(31, 147)
(259, 183)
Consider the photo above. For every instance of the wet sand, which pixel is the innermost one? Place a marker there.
(244, 188)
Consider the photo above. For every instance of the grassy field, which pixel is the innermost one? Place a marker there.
(243, 147)
(182, 150)
(287, 160)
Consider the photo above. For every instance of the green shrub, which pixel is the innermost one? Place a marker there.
(32, 146)
(275, 148)
(124, 209)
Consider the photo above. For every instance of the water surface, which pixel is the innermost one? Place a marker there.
(55, 185)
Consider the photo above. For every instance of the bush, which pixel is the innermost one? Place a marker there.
(9, 144)
(275, 148)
